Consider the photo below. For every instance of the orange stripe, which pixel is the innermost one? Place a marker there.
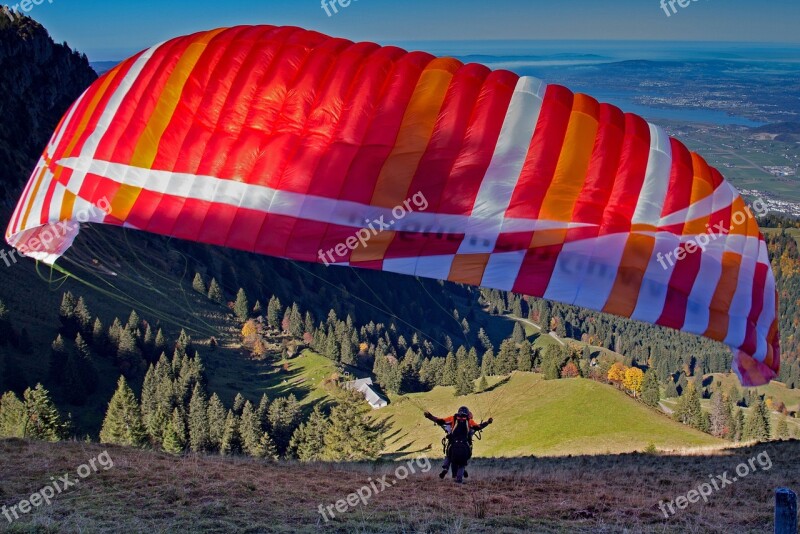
(374, 250)
(67, 205)
(147, 145)
(719, 309)
(701, 188)
(573, 164)
(468, 268)
(87, 116)
(625, 293)
(416, 131)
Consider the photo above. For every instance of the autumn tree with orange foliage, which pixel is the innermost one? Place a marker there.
(570, 370)
(617, 373)
(634, 377)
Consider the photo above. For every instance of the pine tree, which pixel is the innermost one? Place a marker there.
(483, 385)
(42, 420)
(12, 416)
(198, 284)
(250, 430)
(283, 416)
(464, 384)
(524, 357)
(308, 441)
(688, 410)
(216, 422)
(487, 364)
(128, 354)
(241, 308)
(651, 391)
(238, 404)
(450, 371)
(351, 436)
(215, 292)
(58, 359)
(506, 360)
(83, 317)
(782, 430)
(518, 334)
(175, 436)
(720, 418)
(231, 439)
(199, 440)
(99, 341)
(274, 311)
(123, 422)
(757, 426)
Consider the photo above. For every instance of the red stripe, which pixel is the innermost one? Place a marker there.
(759, 282)
(543, 154)
(480, 140)
(228, 61)
(680, 287)
(679, 191)
(431, 177)
(630, 176)
(131, 117)
(594, 197)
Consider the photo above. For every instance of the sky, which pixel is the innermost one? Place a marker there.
(109, 30)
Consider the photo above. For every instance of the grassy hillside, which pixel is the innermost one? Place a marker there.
(150, 492)
(540, 417)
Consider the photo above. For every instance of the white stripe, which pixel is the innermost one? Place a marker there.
(655, 284)
(257, 197)
(722, 196)
(743, 297)
(656, 180)
(89, 148)
(698, 312)
(600, 272)
(502, 269)
(767, 315)
(502, 175)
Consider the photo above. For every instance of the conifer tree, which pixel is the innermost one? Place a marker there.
(524, 357)
(199, 440)
(12, 416)
(241, 308)
(123, 421)
(651, 391)
(518, 334)
(42, 420)
(757, 425)
(351, 436)
(231, 439)
(450, 371)
(238, 404)
(274, 312)
(175, 435)
(308, 441)
(782, 429)
(198, 284)
(216, 422)
(464, 384)
(215, 292)
(483, 385)
(83, 317)
(487, 364)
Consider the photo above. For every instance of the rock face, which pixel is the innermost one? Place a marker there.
(39, 79)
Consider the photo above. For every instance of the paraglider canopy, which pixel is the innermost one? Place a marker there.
(286, 142)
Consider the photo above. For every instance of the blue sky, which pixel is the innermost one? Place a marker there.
(108, 30)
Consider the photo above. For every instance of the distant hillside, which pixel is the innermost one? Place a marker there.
(39, 79)
(540, 418)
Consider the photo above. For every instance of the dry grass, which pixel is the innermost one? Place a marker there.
(153, 492)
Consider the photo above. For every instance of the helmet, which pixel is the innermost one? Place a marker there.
(464, 411)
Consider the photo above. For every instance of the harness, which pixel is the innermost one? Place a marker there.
(459, 433)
